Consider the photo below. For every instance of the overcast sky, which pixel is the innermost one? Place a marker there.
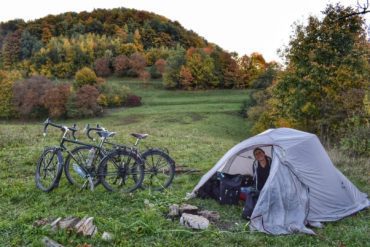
(244, 26)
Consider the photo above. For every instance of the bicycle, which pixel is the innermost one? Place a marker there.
(83, 170)
(159, 167)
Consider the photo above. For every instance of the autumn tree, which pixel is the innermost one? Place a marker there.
(327, 64)
(7, 79)
(121, 65)
(102, 67)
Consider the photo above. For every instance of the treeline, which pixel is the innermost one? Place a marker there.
(324, 84)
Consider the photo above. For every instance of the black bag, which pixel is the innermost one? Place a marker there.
(250, 203)
(229, 188)
(211, 189)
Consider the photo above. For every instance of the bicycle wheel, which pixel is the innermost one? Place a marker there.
(49, 169)
(159, 169)
(76, 161)
(121, 170)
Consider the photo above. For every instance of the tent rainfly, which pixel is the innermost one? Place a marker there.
(303, 188)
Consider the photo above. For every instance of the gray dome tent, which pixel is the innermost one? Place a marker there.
(303, 187)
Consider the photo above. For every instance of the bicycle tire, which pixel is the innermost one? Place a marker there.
(49, 169)
(121, 170)
(159, 169)
(81, 154)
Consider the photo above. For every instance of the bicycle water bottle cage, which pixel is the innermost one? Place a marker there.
(105, 134)
(139, 136)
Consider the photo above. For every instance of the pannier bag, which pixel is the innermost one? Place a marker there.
(229, 188)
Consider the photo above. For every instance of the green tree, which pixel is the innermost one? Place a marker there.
(327, 64)
(171, 76)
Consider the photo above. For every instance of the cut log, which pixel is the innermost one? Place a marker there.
(50, 243)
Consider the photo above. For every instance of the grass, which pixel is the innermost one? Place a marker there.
(197, 128)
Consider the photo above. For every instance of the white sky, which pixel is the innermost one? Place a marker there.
(244, 26)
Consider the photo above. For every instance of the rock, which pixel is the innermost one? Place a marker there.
(187, 208)
(50, 243)
(174, 211)
(194, 221)
(107, 236)
(210, 215)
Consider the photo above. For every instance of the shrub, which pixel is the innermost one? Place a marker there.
(102, 67)
(356, 141)
(113, 95)
(55, 100)
(133, 100)
(121, 65)
(85, 76)
(84, 103)
(137, 64)
(28, 96)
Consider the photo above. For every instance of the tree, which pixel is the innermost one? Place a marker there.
(327, 63)
(175, 61)
(102, 66)
(7, 79)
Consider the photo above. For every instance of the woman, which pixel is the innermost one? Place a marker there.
(261, 171)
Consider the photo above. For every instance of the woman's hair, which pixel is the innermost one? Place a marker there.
(258, 149)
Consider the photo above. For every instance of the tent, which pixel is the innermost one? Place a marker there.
(303, 188)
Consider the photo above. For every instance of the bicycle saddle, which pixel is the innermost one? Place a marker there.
(105, 133)
(139, 136)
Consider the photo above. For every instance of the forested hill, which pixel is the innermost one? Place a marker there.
(154, 30)
(63, 39)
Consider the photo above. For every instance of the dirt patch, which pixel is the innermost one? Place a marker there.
(130, 119)
(196, 116)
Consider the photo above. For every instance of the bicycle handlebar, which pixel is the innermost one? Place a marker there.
(88, 129)
(64, 128)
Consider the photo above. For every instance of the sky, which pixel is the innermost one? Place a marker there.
(242, 26)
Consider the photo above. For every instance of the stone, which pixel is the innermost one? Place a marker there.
(174, 211)
(107, 236)
(210, 215)
(194, 221)
(187, 208)
(50, 243)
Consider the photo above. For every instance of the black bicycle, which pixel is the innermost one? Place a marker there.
(159, 167)
(82, 163)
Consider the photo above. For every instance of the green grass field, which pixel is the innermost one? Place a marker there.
(197, 128)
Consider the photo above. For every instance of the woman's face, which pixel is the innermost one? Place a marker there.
(259, 155)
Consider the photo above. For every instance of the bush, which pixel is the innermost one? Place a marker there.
(85, 76)
(55, 100)
(113, 95)
(121, 65)
(247, 104)
(102, 67)
(84, 103)
(28, 96)
(356, 141)
(133, 100)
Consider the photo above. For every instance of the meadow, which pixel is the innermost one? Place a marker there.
(197, 128)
